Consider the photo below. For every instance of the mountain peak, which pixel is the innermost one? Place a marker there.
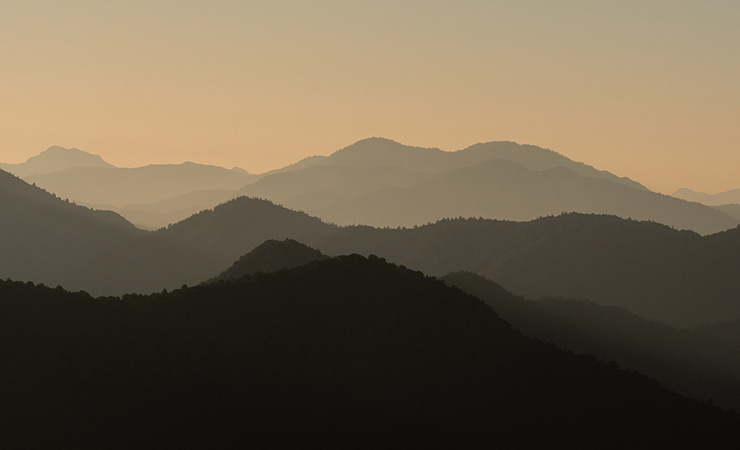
(54, 159)
(271, 256)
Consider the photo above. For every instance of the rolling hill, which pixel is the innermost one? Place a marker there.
(340, 352)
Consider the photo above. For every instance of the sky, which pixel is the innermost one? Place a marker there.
(647, 89)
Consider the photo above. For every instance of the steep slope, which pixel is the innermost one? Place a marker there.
(118, 187)
(197, 248)
(505, 190)
(46, 239)
(650, 269)
(55, 159)
(700, 363)
(271, 256)
(347, 352)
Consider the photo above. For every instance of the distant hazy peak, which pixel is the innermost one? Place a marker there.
(720, 198)
(379, 144)
(58, 153)
(55, 159)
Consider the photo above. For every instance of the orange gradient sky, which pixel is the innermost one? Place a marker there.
(644, 89)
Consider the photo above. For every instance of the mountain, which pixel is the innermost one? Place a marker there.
(506, 190)
(721, 198)
(271, 256)
(55, 159)
(650, 269)
(46, 239)
(114, 187)
(197, 248)
(316, 188)
(382, 183)
(732, 210)
(701, 363)
(340, 352)
(173, 210)
(376, 152)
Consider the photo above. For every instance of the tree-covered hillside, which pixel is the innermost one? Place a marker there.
(348, 351)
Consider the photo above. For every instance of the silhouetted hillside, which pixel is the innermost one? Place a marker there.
(650, 269)
(54, 159)
(197, 248)
(720, 198)
(117, 187)
(347, 352)
(46, 239)
(698, 363)
(271, 256)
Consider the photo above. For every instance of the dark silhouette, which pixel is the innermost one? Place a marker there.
(271, 256)
(347, 351)
(650, 269)
(701, 363)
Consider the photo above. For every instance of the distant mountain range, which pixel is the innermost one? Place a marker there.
(721, 198)
(118, 187)
(383, 183)
(652, 270)
(346, 351)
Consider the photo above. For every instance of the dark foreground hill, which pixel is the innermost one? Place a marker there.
(701, 363)
(271, 256)
(650, 269)
(349, 352)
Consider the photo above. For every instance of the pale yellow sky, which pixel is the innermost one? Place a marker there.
(645, 89)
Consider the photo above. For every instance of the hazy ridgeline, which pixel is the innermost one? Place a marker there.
(361, 345)
(376, 182)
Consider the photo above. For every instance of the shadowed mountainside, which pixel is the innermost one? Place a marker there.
(347, 351)
(197, 248)
(702, 363)
(652, 270)
(46, 239)
(271, 256)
